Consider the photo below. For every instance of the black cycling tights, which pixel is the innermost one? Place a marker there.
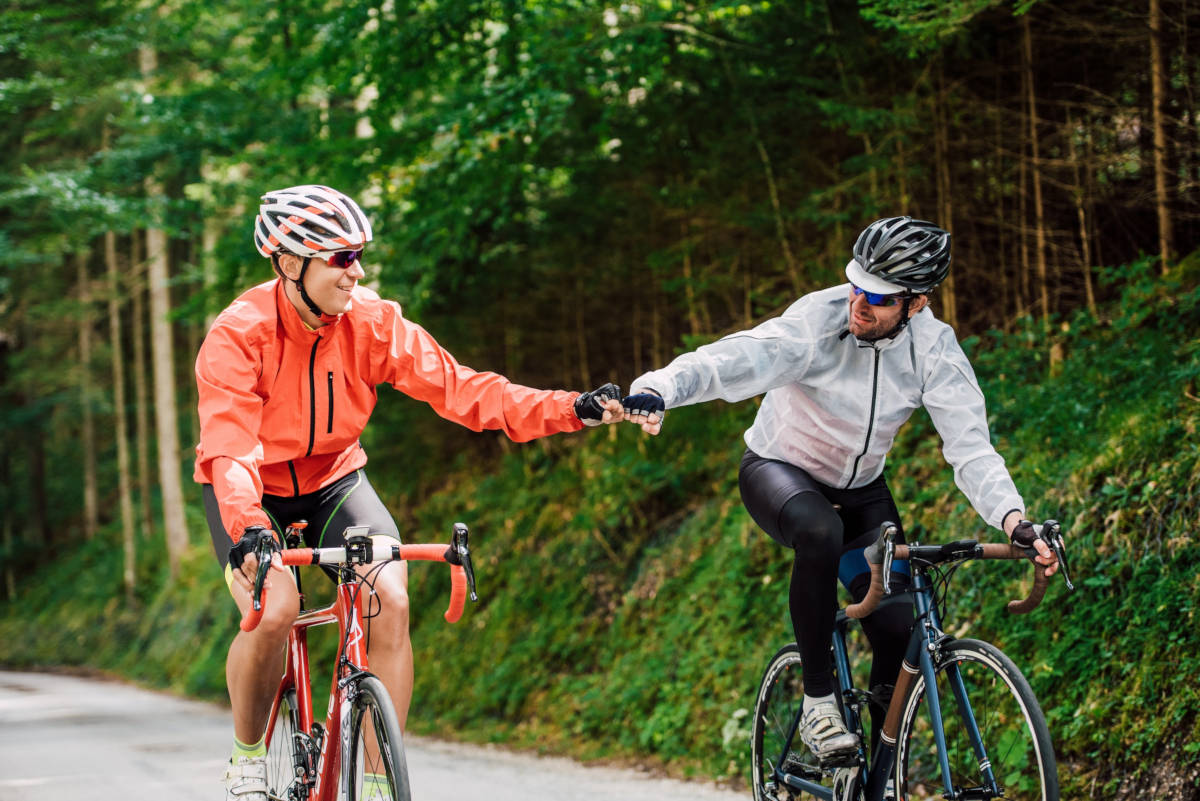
(817, 537)
(827, 528)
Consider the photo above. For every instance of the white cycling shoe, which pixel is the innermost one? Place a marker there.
(246, 779)
(824, 732)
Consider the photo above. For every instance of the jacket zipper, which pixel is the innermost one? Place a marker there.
(330, 429)
(312, 397)
(870, 421)
(295, 481)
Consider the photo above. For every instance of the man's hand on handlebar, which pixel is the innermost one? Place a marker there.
(243, 557)
(1025, 534)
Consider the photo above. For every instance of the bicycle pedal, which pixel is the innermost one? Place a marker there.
(848, 759)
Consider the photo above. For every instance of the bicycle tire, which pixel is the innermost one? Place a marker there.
(780, 695)
(283, 761)
(376, 746)
(1011, 725)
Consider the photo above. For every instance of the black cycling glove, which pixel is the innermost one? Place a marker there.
(1024, 534)
(251, 537)
(589, 407)
(645, 403)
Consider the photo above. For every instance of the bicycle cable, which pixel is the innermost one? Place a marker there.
(374, 605)
(941, 586)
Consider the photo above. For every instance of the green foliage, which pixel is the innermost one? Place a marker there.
(628, 604)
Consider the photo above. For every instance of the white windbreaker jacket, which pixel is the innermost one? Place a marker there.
(833, 404)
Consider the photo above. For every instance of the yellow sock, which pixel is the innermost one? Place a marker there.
(242, 750)
(376, 788)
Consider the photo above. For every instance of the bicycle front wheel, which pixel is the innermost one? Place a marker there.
(780, 696)
(996, 740)
(284, 751)
(374, 767)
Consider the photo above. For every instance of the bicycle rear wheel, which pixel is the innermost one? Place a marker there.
(780, 696)
(283, 757)
(1012, 731)
(374, 767)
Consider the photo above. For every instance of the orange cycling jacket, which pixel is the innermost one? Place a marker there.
(282, 405)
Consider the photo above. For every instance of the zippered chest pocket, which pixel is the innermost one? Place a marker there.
(329, 389)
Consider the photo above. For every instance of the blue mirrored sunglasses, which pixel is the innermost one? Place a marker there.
(341, 258)
(877, 299)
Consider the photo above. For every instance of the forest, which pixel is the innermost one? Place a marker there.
(569, 192)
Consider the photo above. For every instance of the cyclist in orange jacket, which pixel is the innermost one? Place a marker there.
(286, 378)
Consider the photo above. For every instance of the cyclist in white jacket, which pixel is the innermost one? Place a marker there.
(843, 368)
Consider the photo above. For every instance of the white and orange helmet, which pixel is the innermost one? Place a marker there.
(309, 219)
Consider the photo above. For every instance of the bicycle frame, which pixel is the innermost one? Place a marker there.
(923, 646)
(347, 611)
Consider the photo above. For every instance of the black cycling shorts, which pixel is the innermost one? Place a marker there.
(349, 501)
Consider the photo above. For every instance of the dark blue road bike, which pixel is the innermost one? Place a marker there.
(962, 723)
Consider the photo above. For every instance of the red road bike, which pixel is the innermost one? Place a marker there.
(357, 754)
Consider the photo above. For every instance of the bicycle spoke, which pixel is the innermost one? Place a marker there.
(282, 755)
(779, 699)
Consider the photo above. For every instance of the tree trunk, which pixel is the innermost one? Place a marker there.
(10, 578)
(1158, 96)
(785, 247)
(91, 503)
(636, 335)
(194, 335)
(1079, 194)
(6, 528)
(141, 389)
(1008, 293)
(1024, 293)
(945, 204)
(902, 175)
(689, 281)
(1036, 174)
(124, 485)
(585, 372)
(37, 485)
(166, 416)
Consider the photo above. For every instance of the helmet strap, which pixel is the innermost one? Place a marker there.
(299, 282)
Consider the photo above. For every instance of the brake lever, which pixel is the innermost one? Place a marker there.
(889, 550)
(458, 543)
(1052, 534)
(262, 552)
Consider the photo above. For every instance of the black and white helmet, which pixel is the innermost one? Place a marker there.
(307, 220)
(900, 254)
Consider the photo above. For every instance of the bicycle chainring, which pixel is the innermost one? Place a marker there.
(846, 786)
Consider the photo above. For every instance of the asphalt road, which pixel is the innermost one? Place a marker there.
(65, 737)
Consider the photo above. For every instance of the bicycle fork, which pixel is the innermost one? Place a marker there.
(924, 648)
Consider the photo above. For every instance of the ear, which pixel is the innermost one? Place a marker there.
(920, 302)
(289, 265)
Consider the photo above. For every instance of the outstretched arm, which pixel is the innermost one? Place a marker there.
(733, 368)
(414, 363)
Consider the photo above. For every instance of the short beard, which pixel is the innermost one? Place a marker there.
(878, 332)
